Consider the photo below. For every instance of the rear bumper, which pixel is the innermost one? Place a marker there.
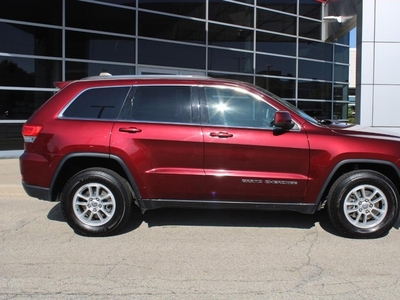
(36, 191)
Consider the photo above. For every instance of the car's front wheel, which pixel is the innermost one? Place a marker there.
(96, 202)
(363, 204)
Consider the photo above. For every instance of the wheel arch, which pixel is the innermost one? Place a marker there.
(75, 162)
(389, 169)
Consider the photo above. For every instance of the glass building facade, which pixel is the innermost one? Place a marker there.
(276, 44)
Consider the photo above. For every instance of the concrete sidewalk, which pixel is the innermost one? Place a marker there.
(10, 178)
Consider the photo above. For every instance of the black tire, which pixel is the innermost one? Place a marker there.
(96, 202)
(363, 204)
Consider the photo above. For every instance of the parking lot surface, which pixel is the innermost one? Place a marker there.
(187, 254)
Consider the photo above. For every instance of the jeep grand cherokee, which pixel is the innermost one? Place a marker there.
(105, 144)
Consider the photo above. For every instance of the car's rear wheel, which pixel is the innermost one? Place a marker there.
(363, 204)
(96, 202)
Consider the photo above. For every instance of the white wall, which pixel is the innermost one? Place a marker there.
(378, 65)
(352, 68)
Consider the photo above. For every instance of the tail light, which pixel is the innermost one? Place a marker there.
(30, 132)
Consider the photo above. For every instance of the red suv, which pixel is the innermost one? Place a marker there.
(105, 144)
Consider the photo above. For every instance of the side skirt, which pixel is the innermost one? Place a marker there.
(148, 204)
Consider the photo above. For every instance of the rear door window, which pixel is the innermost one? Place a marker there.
(170, 104)
(98, 103)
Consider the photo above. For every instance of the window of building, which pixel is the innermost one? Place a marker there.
(38, 11)
(171, 54)
(129, 3)
(341, 54)
(20, 104)
(99, 47)
(189, 8)
(77, 70)
(341, 91)
(159, 104)
(230, 61)
(341, 73)
(315, 70)
(97, 103)
(30, 40)
(315, 50)
(273, 43)
(284, 88)
(289, 6)
(275, 65)
(273, 21)
(99, 17)
(171, 28)
(310, 29)
(314, 90)
(310, 9)
(340, 111)
(246, 1)
(231, 13)
(317, 110)
(230, 37)
(29, 72)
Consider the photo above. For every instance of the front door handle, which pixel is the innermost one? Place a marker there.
(130, 129)
(221, 134)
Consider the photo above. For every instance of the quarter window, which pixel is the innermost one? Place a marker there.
(98, 103)
(229, 107)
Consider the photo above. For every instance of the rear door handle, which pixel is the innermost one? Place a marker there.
(221, 134)
(130, 129)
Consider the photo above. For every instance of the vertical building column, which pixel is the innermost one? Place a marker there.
(378, 66)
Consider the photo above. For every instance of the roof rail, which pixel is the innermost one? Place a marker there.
(103, 75)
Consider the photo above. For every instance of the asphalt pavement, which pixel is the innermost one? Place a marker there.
(187, 254)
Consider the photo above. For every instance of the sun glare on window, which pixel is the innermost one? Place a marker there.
(221, 107)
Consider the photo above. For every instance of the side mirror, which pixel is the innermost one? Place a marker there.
(283, 120)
